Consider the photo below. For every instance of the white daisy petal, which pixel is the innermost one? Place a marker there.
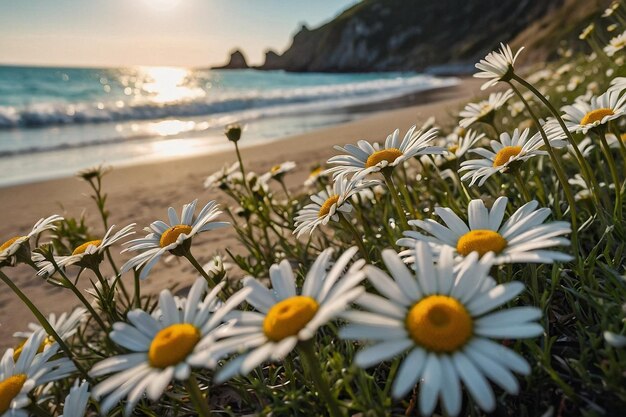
(494, 370)
(409, 373)
(450, 391)
(381, 352)
(430, 384)
(474, 382)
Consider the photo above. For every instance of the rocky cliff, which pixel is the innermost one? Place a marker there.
(237, 60)
(389, 35)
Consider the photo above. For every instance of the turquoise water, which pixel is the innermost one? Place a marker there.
(54, 121)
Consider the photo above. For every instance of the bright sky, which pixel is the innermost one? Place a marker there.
(152, 32)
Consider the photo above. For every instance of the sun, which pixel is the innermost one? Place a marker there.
(162, 4)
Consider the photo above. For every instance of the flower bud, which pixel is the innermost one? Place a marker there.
(233, 132)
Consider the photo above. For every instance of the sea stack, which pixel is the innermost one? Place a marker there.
(237, 61)
(272, 61)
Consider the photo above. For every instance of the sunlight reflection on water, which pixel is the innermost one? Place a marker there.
(168, 84)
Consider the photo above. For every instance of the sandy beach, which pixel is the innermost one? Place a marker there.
(142, 194)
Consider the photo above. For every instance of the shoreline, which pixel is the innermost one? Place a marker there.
(142, 193)
(80, 146)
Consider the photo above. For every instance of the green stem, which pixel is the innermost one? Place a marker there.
(357, 236)
(493, 127)
(621, 143)
(600, 52)
(108, 303)
(557, 168)
(100, 202)
(396, 198)
(103, 281)
(521, 185)
(282, 183)
(72, 286)
(137, 297)
(83, 300)
(450, 196)
(199, 268)
(243, 172)
(199, 401)
(617, 211)
(312, 364)
(405, 191)
(588, 176)
(45, 324)
(466, 192)
(117, 272)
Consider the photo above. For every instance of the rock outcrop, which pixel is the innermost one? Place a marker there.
(237, 61)
(272, 60)
(396, 35)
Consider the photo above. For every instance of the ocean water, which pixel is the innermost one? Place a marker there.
(55, 121)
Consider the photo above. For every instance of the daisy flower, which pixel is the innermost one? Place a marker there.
(328, 204)
(10, 248)
(86, 255)
(94, 172)
(585, 147)
(555, 133)
(75, 404)
(618, 84)
(160, 346)
(222, 177)
(65, 325)
(485, 110)
(314, 176)
(366, 158)
(616, 44)
(586, 32)
(459, 145)
(585, 193)
(278, 171)
(614, 339)
(583, 116)
(443, 317)
(216, 266)
(611, 9)
(497, 66)
(284, 316)
(32, 369)
(614, 142)
(507, 151)
(523, 238)
(174, 237)
(258, 184)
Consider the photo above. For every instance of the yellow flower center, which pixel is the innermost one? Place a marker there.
(275, 168)
(618, 43)
(506, 153)
(481, 241)
(453, 148)
(172, 344)
(8, 243)
(9, 389)
(325, 209)
(596, 116)
(485, 110)
(286, 318)
(439, 324)
(82, 248)
(170, 235)
(315, 172)
(20, 347)
(389, 155)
